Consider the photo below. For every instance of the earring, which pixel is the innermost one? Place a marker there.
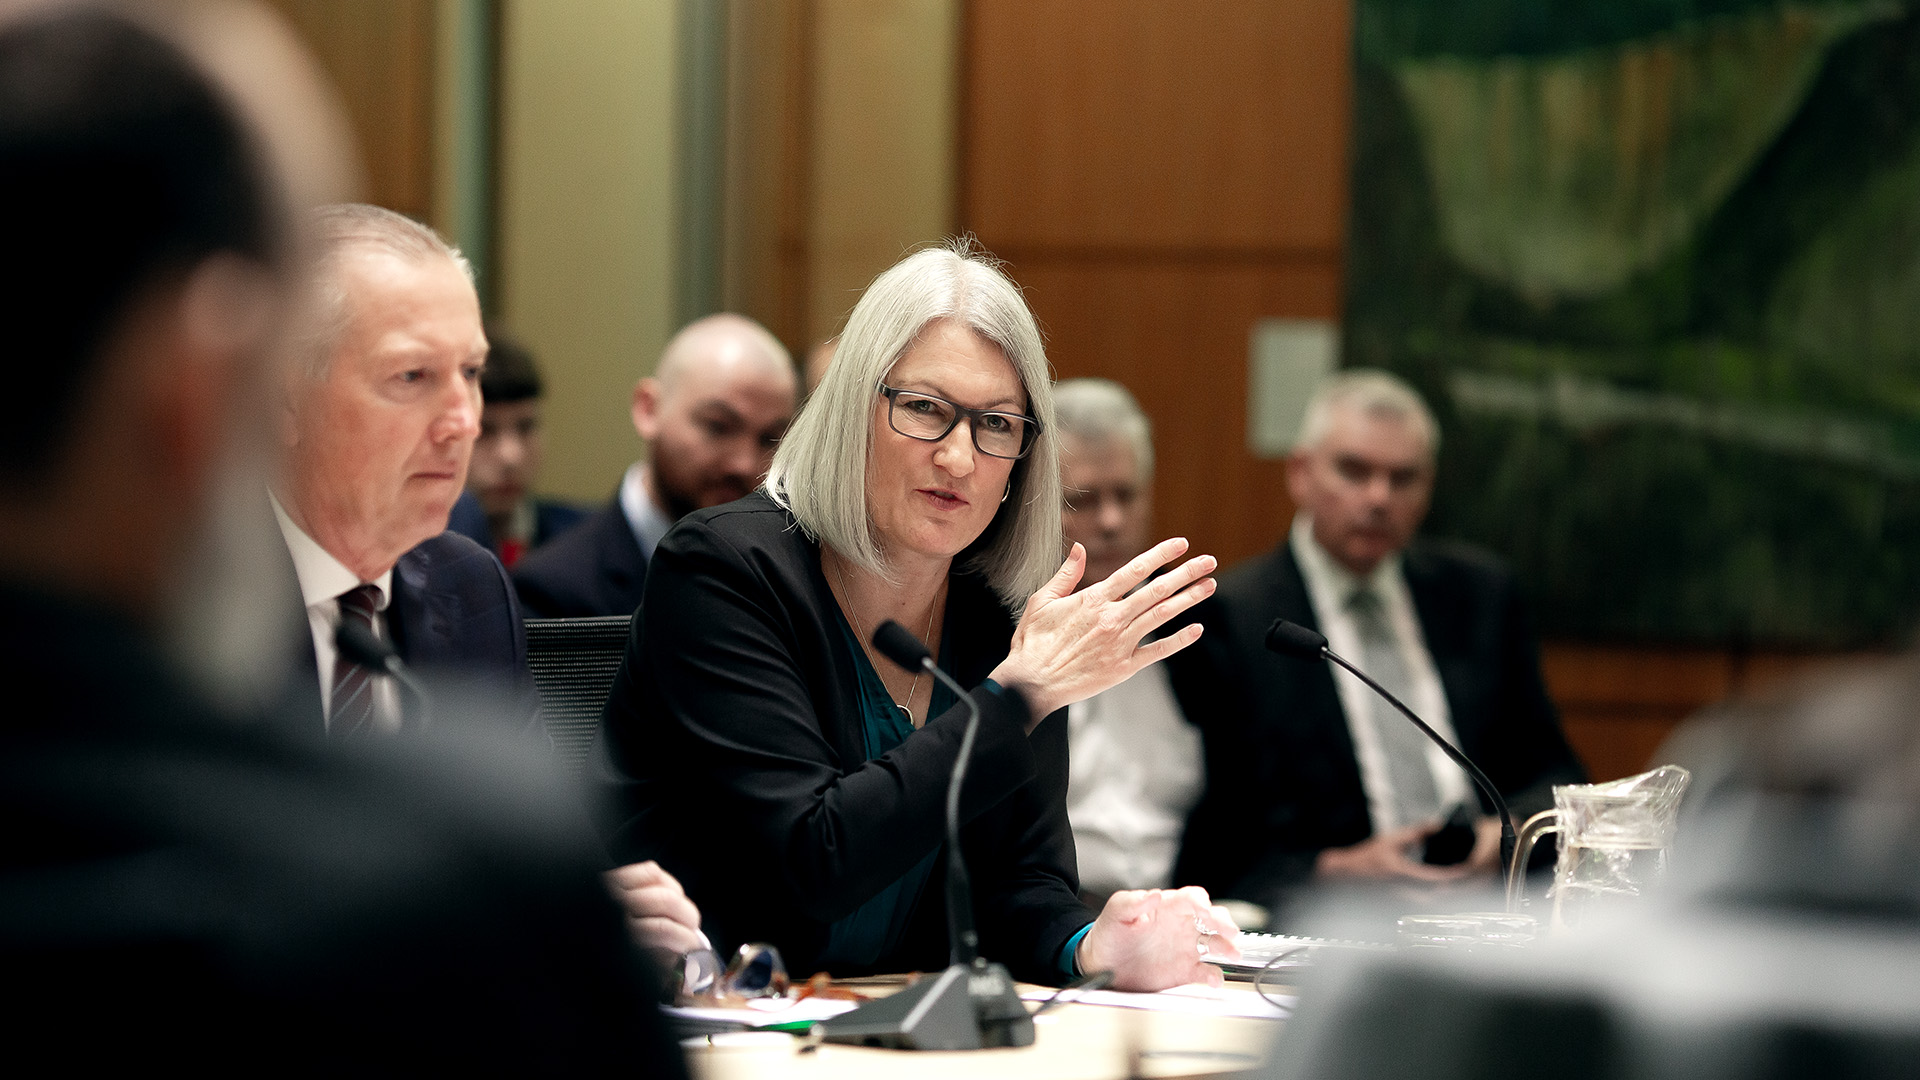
(1009, 491)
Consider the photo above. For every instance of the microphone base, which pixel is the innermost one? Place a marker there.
(965, 1007)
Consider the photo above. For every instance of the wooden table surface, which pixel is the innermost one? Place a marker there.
(1072, 1042)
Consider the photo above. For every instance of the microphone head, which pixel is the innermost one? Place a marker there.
(897, 643)
(360, 645)
(1292, 639)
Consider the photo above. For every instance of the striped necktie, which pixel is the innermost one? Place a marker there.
(352, 712)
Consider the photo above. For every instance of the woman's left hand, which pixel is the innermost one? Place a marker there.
(1070, 645)
(1153, 938)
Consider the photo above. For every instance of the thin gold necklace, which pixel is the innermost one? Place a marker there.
(907, 709)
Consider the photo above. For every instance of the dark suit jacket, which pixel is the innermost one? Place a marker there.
(594, 568)
(179, 884)
(733, 750)
(455, 621)
(1282, 780)
(550, 519)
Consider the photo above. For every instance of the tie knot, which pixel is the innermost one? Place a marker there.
(359, 603)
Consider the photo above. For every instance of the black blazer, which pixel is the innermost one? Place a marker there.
(594, 568)
(732, 750)
(183, 884)
(454, 620)
(1282, 780)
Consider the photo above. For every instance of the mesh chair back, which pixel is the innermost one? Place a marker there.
(574, 662)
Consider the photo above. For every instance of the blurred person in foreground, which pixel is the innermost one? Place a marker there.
(1784, 939)
(185, 883)
(499, 510)
(795, 779)
(1136, 765)
(1312, 777)
(711, 414)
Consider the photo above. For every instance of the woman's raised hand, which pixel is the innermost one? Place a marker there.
(1071, 645)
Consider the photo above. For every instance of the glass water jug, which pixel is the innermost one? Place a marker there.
(1613, 842)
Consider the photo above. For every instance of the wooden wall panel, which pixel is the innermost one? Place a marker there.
(1159, 177)
(1176, 335)
(1130, 124)
(1619, 703)
(380, 56)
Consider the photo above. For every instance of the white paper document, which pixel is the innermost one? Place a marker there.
(765, 1011)
(1193, 999)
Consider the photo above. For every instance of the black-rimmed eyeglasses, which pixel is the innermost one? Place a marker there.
(929, 419)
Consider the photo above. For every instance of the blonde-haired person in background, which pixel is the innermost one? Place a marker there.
(794, 779)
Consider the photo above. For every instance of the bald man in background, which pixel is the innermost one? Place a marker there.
(711, 414)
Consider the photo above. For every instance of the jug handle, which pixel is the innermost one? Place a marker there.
(1537, 826)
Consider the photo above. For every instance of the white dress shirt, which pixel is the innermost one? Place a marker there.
(1134, 773)
(1329, 586)
(322, 579)
(648, 522)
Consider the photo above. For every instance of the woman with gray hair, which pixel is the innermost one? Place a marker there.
(795, 780)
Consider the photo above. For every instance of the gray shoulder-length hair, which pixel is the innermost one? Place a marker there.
(820, 471)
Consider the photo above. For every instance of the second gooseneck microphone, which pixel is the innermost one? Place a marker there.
(1292, 639)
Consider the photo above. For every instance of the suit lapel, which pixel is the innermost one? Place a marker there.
(415, 615)
(623, 569)
(299, 695)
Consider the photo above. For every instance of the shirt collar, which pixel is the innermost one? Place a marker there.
(323, 577)
(1324, 571)
(648, 522)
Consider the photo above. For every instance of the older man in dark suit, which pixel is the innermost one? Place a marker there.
(380, 427)
(185, 886)
(711, 414)
(1312, 777)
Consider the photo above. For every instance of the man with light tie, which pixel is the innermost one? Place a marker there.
(1311, 775)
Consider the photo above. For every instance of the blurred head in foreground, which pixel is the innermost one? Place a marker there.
(144, 274)
(178, 868)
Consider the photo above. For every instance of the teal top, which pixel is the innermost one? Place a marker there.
(875, 927)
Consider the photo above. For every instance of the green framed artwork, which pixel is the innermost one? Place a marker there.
(1657, 264)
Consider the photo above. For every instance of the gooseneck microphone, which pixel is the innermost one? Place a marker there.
(897, 643)
(358, 644)
(1292, 639)
(972, 1004)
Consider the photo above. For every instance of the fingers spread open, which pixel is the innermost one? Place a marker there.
(1156, 651)
(1163, 612)
(1141, 567)
(1159, 589)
